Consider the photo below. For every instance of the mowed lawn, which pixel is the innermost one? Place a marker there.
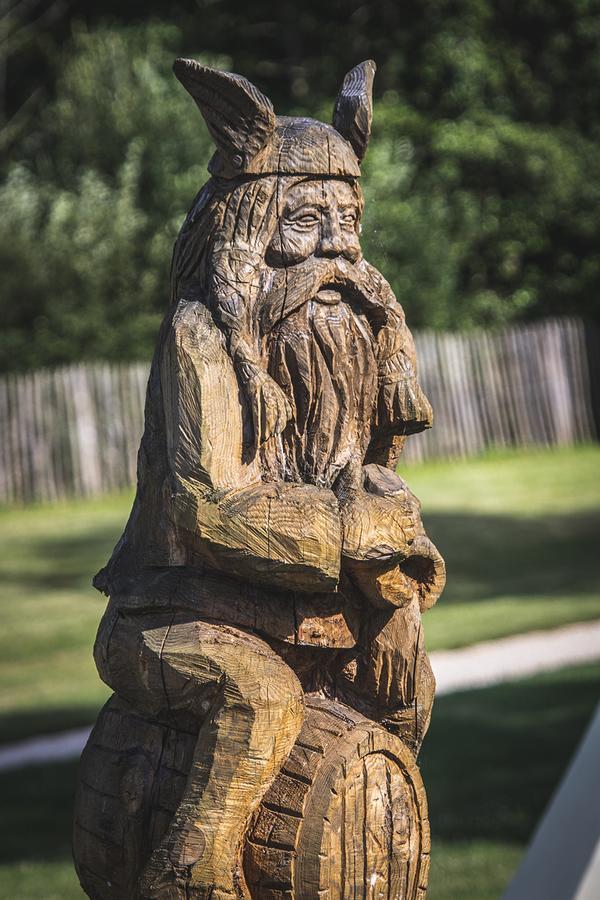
(519, 533)
(491, 761)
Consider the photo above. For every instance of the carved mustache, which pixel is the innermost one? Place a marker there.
(285, 290)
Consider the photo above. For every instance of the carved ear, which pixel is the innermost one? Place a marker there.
(239, 117)
(353, 110)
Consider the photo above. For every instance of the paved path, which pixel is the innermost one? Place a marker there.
(516, 657)
(482, 664)
(44, 749)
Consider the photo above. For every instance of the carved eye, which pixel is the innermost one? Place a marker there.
(348, 219)
(306, 221)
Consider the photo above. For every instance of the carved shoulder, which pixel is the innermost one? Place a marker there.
(203, 405)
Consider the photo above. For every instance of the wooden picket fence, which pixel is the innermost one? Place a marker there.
(525, 386)
(76, 430)
(71, 431)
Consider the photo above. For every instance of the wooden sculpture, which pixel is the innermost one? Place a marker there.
(263, 636)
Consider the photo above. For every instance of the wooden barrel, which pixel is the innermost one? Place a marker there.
(345, 818)
(131, 778)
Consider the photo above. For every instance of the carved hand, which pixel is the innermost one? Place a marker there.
(402, 405)
(270, 408)
(385, 549)
(389, 665)
(380, 515)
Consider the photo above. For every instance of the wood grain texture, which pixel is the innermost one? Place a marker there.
(263, 636)
(311, 836)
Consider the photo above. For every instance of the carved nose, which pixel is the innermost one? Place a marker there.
(332, 242)
(331, 246)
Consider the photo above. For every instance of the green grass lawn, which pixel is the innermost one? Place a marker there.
(491, 761)
(49, 612)
(519, 533)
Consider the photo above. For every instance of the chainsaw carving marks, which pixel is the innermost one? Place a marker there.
(263, 636)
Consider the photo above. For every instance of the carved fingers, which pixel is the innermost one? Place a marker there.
(389, 667)
(270, 407)
(377, 529)
(401, 403)
(385, 550)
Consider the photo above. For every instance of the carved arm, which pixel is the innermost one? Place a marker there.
(284, 534)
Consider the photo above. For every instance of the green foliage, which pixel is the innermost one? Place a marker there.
(72, 262)
(482, 179)
(481, 220)
(90, 218)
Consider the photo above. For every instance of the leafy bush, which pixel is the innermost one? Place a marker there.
(90, 219)
(482, 182)
(481, 220)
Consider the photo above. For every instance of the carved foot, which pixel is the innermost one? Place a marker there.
(173, 886)
(164, 880)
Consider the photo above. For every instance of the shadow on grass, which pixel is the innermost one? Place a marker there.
(494, 756)
(64, 562)
(37, 808)
(20, 726)
(489, 556)
(490, 763)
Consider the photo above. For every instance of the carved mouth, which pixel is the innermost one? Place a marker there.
(329, 294)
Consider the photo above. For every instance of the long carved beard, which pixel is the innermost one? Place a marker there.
(322, 352)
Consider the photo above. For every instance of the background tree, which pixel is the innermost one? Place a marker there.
(483, 178)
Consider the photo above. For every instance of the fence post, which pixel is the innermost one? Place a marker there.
(76, 430)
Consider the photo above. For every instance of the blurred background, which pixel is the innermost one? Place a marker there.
(482, 184)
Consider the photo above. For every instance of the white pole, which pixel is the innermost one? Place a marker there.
(563, 860)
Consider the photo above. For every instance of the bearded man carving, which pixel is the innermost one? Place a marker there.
(271, 551)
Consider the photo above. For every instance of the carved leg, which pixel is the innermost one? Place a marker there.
(177, 668)
(391, 678)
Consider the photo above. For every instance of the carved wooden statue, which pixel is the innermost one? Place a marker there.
(263, 636)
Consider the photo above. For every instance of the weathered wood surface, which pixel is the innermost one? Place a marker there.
(347, 816)
(263, 635)
(51, 448)
(349, 800)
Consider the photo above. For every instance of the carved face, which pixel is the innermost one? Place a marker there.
(319, 218)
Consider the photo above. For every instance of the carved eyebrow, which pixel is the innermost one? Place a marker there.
(305, 208)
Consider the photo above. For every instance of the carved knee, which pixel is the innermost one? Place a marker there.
(252, 677)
